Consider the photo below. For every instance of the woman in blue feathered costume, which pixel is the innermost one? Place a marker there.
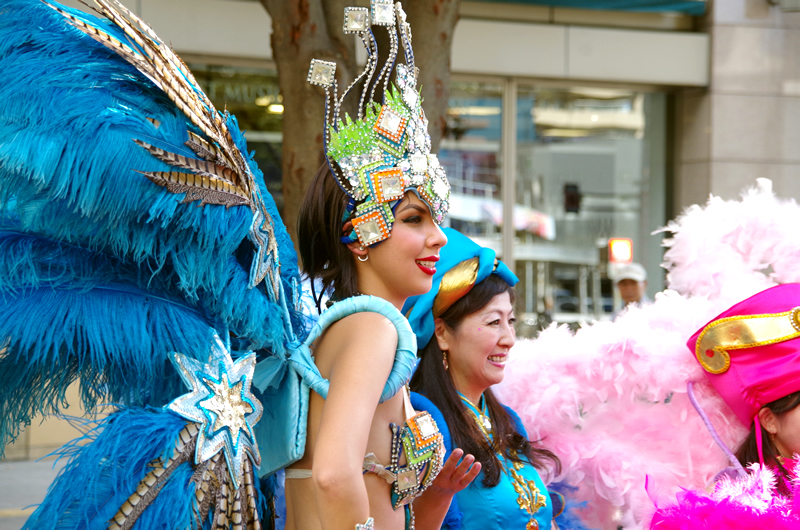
(465, 329)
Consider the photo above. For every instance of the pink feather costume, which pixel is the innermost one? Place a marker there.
(611, 399)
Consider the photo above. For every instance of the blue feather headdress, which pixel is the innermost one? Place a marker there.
(133, 221)
(134, 225)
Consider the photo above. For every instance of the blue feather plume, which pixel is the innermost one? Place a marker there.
(69, 111)
(569, 519)
(102, 474)
(102, 273)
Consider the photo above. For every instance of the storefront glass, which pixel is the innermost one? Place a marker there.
(590, 167)
(471, 153)
(253, 96)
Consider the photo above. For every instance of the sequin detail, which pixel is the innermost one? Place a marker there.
(385, 150)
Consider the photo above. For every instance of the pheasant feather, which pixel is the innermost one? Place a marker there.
(205, 188)
(199, 167)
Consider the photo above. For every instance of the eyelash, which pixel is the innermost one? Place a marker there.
(511, 321)
(414, 219)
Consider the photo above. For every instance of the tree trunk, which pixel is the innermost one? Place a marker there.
(433, 24)
(303, 30)
(312, 29)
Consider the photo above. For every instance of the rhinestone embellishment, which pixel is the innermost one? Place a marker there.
(321, 73)
(383, 12)
(381, 151)
(356, 19)
(406, 480)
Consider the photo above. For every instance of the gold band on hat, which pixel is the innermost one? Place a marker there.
(741, 332)
(455, 283)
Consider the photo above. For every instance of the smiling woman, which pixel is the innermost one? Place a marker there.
(466, 326)
(369, 231)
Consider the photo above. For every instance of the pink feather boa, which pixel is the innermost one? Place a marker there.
(741, 503)
(611, 400)
(730, 250)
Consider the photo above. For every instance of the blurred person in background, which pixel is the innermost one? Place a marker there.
(631, 281)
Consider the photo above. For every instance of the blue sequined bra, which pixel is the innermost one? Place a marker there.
(420, 441)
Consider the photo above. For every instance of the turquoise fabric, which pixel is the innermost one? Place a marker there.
(479, 508)
(459, 248)
(498, 507)
(285, 383)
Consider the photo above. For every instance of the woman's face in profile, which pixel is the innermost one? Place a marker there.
(479, 346)
(788, 436)
(406, 261)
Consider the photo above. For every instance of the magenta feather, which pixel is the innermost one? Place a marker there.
(741, 503)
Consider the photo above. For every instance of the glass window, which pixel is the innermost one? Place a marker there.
(470, 152)
(590, 166)
(253, 96)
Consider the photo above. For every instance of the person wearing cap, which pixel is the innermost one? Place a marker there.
(631, 280)
(465, 330)
(751, 356)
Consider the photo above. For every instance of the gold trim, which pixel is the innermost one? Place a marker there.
(455, 283)
(530, 498)
(741, 332)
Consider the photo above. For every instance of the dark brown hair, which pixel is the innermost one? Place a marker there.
(433, 381)
(748, 451)
(319, 232)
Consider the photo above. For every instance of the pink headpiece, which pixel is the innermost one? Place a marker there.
(751, 352)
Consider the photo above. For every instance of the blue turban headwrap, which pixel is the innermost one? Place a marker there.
(467, 264)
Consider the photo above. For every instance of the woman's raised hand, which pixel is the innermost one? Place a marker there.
(431, 507)
(455, 475)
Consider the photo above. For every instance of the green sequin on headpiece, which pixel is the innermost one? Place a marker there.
(386, 150)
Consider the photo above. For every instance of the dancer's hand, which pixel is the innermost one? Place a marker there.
(455, 475)
(431, 507)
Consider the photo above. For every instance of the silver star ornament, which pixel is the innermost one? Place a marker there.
(221, 403)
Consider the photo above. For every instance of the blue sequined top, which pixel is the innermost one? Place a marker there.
(519, 501)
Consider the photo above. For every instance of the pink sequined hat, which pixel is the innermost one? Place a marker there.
(751, 352)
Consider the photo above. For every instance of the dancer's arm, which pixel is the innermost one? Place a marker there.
(362, 348)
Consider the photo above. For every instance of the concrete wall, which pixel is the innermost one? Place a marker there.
(746, 124)
(580, 53)
(565, 47)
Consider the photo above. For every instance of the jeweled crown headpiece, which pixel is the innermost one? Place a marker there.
(386, 151)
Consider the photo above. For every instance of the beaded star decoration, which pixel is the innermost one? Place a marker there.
(221, 402)
(386, 151)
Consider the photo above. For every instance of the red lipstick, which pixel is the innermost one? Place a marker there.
(428, 270)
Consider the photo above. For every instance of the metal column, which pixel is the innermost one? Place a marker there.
(509, 170)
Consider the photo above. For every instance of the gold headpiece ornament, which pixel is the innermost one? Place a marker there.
(455, 284)
(740, 332)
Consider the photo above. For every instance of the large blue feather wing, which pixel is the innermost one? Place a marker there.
(103, 268)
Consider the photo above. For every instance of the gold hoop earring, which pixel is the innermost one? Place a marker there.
(779, 457)
(365, 258)
(444, 360)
